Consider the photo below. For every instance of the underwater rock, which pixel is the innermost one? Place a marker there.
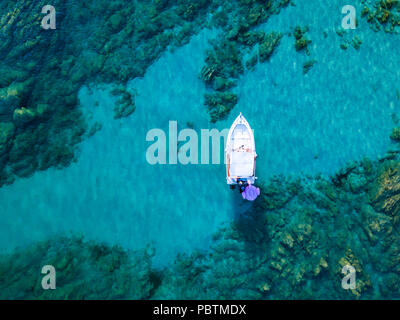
(115, 21)
(308, 65)
(277, 193)
(252, 61)
(10, 97)
(251, 38)
(124, 110)
(43, 111)
(219, 104)
(224, 65)
(268, 45)
(356, 42)
(374, 223)
(207, 73)
(301, 42)
(190, 124)
(390, 283)
(225, 59)
(221, 84)
(342, 174)
(23, 116)
(288, 240)
(346, 39)
(356, 182)
(84, 270)
(363, 282)
(125, 105)
(395, 135)
(7, 130)
(321, 266)
(94, 129)
(382, 14)
(385, 194)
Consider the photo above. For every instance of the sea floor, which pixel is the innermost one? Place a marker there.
(341, 110)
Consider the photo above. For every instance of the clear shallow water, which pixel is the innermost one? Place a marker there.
(112, 193)
(340, 111)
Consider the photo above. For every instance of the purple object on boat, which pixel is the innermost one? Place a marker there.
(251, 193)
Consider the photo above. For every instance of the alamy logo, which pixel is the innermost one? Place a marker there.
(188, 153)
(349, 280)
(49, 280)
(349, 21)
(49, 20)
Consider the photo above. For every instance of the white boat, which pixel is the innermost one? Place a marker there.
(240, 152)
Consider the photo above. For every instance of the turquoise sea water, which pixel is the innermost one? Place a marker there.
(315, 123)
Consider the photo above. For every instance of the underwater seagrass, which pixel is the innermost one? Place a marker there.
(296, 238)
(291, 244)
(85, 270)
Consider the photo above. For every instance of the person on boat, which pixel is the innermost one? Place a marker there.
(251, 193)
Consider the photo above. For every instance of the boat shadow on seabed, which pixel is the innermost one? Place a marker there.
(248, 218)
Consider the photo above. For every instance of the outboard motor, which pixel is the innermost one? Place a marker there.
(242, 185)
